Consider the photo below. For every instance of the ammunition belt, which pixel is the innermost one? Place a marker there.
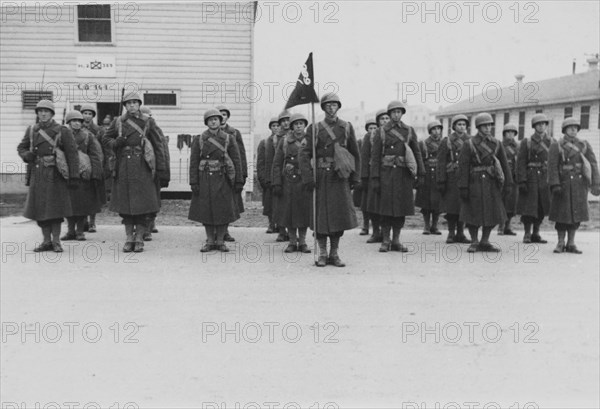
(210, 165)
(390, 161)
(326, 162)
(537, 165)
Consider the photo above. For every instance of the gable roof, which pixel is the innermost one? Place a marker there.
(567, 89)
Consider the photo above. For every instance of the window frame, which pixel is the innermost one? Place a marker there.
(177, 93)
(588, 114)
(77, 42)
(23, 107)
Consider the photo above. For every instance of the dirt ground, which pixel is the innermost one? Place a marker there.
(174, 213)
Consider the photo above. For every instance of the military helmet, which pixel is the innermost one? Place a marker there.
(298, 117)
(370, 121)
(132, 96)
(434, 124)
(145, 110)
(396, 105)
(224, 108)
(330, 97)
(284, 114)
(483, 119)
(570, 122)
(212, 112)
(273, 120)
(379, 113)
(71, 115)
(538, 118)
(510, 127)
(88, 107)
(459, 117)
(46, 104)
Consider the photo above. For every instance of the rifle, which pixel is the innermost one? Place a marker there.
(29, 168)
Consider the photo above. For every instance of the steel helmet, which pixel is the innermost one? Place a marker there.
(396, 105)
(284, 114)
(273, 120)
(145, 110)
(510, 127)
(132, 96)
(46, 104)
(538, 118)
(298, 117)
(434, 124)
(212, 112)
(483, 119)
(224, 108)
(459, 117)
(370, 121)
(330, 97)
(379, 113)
(570, 122)
(71, 115)
(88, 107)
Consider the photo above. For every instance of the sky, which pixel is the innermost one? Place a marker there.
(363, 50)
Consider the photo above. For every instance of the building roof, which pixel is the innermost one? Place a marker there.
(562, 90)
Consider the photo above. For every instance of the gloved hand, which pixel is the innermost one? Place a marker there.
(355, 185)
(195, 189)
(164, 182)
(277, 190)
(596, 190)
(308, 186)
(29, 157)
(441, 187)
(523, 188)
(464, 194)
(119, 142)
(557, 190)
(73, 184)
(376, 185)
(238, 187)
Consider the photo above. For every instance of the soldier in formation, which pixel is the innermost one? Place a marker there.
(337, 163)
(364, 146)
(52, 169)
(263, 172)
(509, 135)
(295, 204)
(428, 195)
(216, 176)
(284, 129)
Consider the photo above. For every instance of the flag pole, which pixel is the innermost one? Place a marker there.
(314, 196)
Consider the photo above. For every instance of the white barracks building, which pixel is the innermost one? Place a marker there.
(183, 58)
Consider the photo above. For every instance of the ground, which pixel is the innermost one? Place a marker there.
(257, 328)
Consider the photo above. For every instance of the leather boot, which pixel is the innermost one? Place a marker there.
(427, 226)
(70, 234)
(460, 234)
(560, 246)
(451, 231)
(79, 229)
(365, 229)
(386, 242)
(396, 245)
(92, 223)
(322, 261)
(138, 246)
(535, 237)
(281, 237)
(376, 237)
(129, 239)
(46, 244)
(302, 247)
(527, 235)
(334, 258)
(571, 247)
(434, 224)
(56, 246)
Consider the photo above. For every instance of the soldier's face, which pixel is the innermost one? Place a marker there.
(384, 119)
(371, 128)
(299, 127)
(225, 116)
(541, 127)
(436, 132)
(331, 108)
(75, 124)
(132, 106)
(285, 124)
(87, 116)
(213, 123)
(571, 131)
(486, 129)
(274, 127)
(106, 121)
(510, 135)
(460, 127)
(396, 115)
(44, 115)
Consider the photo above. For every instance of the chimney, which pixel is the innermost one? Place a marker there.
(574, 64)
(519, 77)
(592, 64)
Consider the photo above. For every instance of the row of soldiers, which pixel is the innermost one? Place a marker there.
(477, 182)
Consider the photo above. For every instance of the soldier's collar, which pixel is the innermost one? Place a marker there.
(331, 120)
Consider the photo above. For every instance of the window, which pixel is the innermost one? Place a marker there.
(568, 112)
(161, 98)
(521, 125)
(584, 119)
(94, 23)
(494, 125)
(539, 111)
(31, 98)
(506, 117)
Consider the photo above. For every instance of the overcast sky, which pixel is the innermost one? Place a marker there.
(369, 47)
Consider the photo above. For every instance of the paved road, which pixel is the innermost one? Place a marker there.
(171, 327)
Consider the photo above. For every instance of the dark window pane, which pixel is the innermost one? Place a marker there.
(568, 112)
(521, 125)
(169, 99)
(494, 125)
(94, 11)
(31, 98)
(539, 111)
(585, 117)
(94, 30)
(506, 117)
